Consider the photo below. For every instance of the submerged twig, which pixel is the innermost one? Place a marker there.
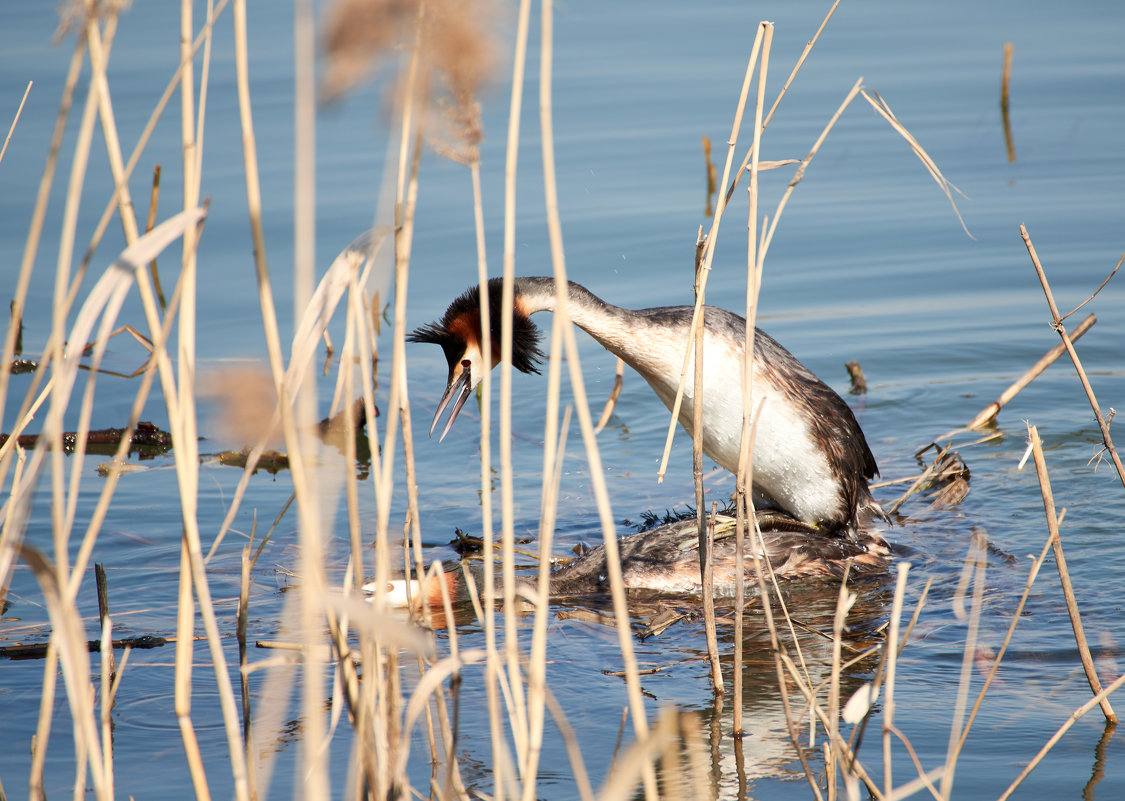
(1005, 81)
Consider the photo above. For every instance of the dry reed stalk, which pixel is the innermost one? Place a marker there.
(891, 649)
(1016, 615)
(240, 635)
(67, 634)
(35, 229)
(106, 643)
(839, 748)
(706, 532)
(705, 261)
(15, 121)
(976, 562)
(153, 204)
(1056, 323)
(518, 719)
(777, 101)
(744, 479)
(989, 412)
(1064, 574)
(107, 680)
(601, 494)
(139, 147)
(844, 602)
(311, 535)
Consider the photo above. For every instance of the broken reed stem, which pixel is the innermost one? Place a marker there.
(153, 204)
(1005, 82)
(989, 412)
(103, 615)
(930, 470)
(1064, 576)
(240, 634)
(1056, 323)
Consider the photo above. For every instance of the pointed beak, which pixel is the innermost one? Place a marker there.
(458, 389)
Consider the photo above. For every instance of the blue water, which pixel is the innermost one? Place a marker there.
(869, 263)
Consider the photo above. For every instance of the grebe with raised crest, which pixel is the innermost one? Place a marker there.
(811, 460)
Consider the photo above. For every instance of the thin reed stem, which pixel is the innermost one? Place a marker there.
(1064, 574)
(597, 475)
(1056, 323)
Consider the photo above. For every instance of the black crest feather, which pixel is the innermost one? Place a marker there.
(462, 320)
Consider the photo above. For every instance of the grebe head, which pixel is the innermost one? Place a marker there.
(459, 334)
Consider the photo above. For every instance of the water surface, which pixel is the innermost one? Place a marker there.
(869, 263)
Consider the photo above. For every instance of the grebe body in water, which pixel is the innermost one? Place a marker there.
(811, 460)
(666, 560)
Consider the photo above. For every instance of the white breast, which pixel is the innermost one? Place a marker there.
(791, 469)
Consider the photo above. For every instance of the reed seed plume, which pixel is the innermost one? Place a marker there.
(75, 13)
(453, 38)
(247, 405)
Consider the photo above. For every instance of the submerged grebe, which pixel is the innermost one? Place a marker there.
(811, 460)
(666, 560)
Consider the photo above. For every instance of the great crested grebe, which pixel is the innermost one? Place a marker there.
(666, 560)
(811, 460)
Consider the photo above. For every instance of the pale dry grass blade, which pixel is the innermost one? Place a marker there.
(892, 648)
(631, 766)
(104, 301)
(974, 572)
(752, 151)
(70, 640)
(931, 166)
(35, 230)
(15, 120)
(562, 320)
(1064, 574)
